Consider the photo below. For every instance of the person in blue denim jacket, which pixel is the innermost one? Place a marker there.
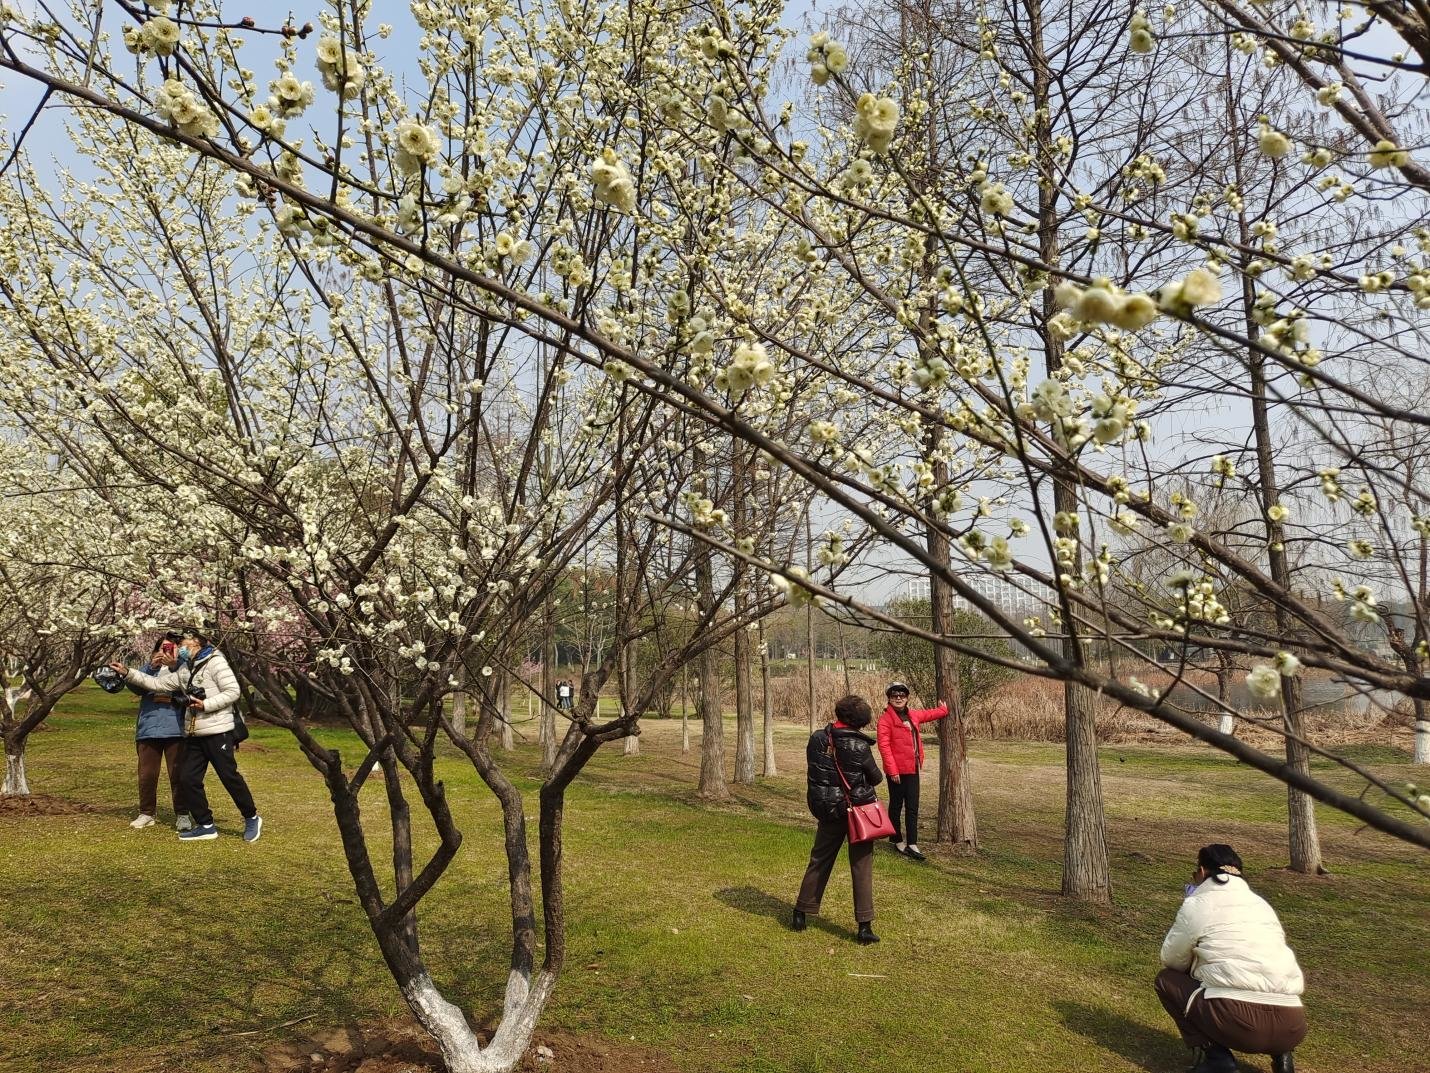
(159, 740)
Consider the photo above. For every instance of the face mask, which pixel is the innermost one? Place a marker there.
(1191, 889)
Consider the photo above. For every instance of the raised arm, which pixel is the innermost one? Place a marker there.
(928, 715)
(163, 682)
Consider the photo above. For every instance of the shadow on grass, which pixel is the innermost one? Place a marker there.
(1148, 1048)
(759, 903)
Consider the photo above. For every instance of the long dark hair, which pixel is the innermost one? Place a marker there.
(1220, 861)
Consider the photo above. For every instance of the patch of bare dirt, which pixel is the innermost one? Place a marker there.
(398, 1045)
(41, 805)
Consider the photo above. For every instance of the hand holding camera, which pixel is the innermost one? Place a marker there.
(193, 697)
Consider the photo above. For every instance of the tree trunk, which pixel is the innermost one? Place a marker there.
(956, 822)
(508, 734)
(685, 710)
(549, 741)
(712, 724)
(744, 711)
(459, 703)
(1304, 841)
(15, 782)
(1223, 682)
(1086, 874)
(770, 767)
(633, 741)
(809, 612)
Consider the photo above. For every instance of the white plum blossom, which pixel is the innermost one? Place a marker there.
(613, 183)
(417, 146)
(1264, 682)
(875, 120)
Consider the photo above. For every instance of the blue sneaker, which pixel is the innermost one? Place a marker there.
(199, 833)
(252, 828)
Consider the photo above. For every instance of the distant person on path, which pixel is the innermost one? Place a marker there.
(208, 731)
(1230, 983)
(901, 746)
(159, 741)
(565, 695)
(825, 794)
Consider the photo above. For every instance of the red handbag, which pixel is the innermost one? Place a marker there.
(866, 822)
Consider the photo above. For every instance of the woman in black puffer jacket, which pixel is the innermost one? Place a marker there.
(827, 802)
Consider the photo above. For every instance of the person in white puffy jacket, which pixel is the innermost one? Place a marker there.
(1230, 982)
(208, 726)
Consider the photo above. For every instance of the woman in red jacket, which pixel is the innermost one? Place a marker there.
(902, 749)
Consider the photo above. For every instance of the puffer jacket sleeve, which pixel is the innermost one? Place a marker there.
(1179, 947)
(221, 678)
(154, 683)
(887, 722)
(929, 715)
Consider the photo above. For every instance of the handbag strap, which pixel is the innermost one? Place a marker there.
(834, 755)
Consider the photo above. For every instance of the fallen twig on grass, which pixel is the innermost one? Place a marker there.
(274, 1028)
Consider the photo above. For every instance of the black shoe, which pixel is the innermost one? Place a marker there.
(1214, 1059)
(866, 936)
(797, 921)
(1283, 1063)
(913, 854)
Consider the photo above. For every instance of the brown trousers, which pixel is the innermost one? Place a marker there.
(828, 838)
(1251, 1027)
(153, 751)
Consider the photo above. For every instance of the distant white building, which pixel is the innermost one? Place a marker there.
(994, 587)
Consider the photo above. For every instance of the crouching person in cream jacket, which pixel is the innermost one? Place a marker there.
(1230, 983)
(208, 724)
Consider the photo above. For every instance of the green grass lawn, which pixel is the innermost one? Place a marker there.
(126, 951)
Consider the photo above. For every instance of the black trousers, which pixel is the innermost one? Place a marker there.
(199, 753)
(828, 837)
(904, 795)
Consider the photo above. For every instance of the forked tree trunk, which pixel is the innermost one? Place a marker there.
(15, 737)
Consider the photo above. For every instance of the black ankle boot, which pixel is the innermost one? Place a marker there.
(1215, 1059)
(866, 934)
(1283, 1063)
(797, 921)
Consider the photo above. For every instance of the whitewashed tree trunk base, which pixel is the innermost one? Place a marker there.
(1422, 742)
(1228, 724)
(461, 1051)
(15, 781)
